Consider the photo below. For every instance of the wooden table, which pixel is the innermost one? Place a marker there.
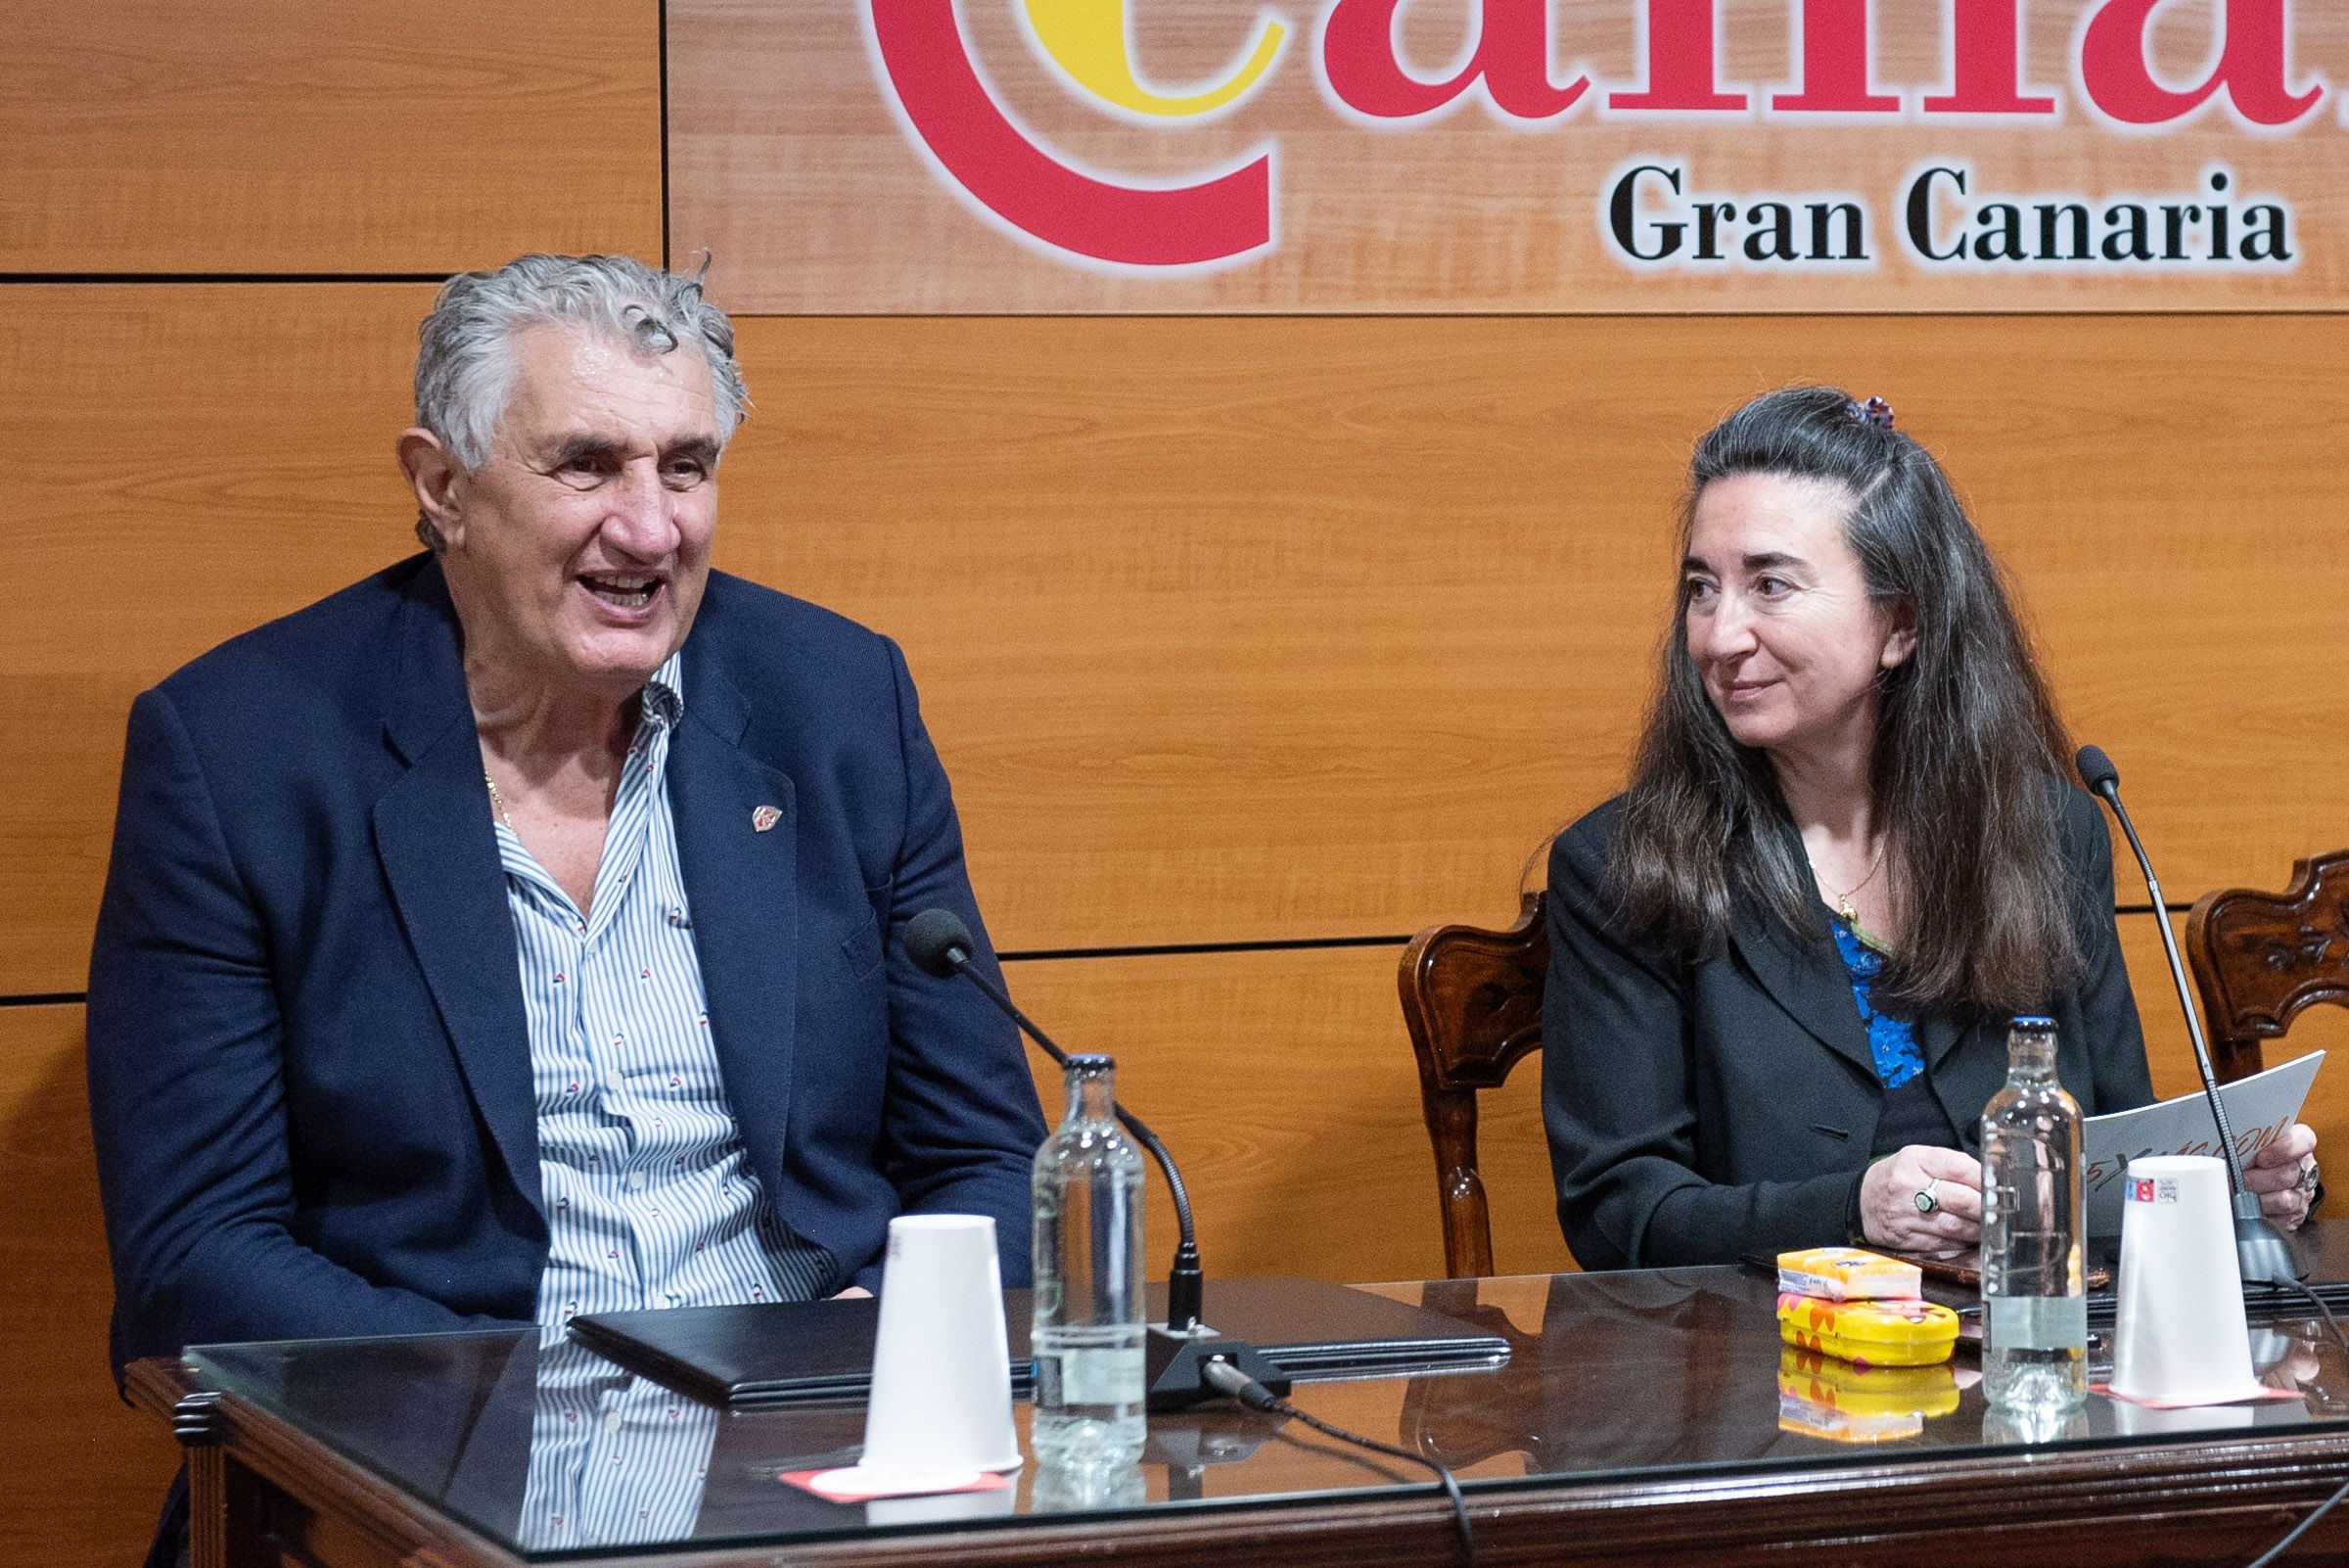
(1641, 1419)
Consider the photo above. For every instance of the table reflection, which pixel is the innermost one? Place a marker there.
(614, 1460)
(1664, 1369)
(554, 1452)
(1635, 1370)
(1205, 1439)
(1065, 1486)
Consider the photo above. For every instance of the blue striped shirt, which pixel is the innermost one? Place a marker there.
(647, 1189)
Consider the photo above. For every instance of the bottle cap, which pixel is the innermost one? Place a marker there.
(2033, 1021)
(1091, 1062)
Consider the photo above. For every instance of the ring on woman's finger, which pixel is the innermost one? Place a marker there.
(1928, 1197)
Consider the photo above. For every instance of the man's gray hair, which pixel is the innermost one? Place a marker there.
(465, 365)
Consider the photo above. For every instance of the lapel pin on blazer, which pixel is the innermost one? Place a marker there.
(765, 817)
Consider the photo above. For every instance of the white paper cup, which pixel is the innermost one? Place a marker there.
(940, 1401)
(2181, 1337)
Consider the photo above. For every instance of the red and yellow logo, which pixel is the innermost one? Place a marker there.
(1218, 216)
(1510, 64)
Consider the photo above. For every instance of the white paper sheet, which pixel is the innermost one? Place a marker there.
(2258, 1109)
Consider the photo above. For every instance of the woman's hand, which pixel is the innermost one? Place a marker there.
(2284, 1176)
(1888, 1212)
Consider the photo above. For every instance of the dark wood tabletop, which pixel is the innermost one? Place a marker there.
(1649, 1417)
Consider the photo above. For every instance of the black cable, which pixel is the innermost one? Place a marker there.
(1229, 1379)
(2340, 1491)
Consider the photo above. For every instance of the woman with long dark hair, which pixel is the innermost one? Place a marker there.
(1783, 959)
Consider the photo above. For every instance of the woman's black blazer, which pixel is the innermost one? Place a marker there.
(1702, 1110)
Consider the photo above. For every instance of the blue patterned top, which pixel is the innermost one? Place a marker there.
(1890, 1041)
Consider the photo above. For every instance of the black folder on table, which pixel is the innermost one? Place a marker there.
(790, 1353)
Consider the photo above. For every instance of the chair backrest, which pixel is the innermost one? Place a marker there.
(2260, 958)
(1472, 999)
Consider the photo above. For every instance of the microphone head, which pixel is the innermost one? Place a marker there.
(937, 942)
(2096, 771)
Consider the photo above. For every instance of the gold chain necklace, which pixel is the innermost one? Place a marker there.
(498, 804)
(1843, 900)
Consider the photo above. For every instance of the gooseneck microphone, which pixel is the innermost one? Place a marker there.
(940, 943)
(2260, 1249)
(1177, 1351)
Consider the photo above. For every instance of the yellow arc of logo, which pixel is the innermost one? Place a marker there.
(1087, 40)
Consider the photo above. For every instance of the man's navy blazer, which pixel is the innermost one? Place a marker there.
(310, 1069)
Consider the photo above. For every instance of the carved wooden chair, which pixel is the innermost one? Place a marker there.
(2260, 958)
(1472, 999)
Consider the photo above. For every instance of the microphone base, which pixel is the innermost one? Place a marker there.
(1175, 1367)
(2262, 1253)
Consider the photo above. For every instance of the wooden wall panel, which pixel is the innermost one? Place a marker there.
(88, 1473)
(1284, 1084)
(208, 457)
(245, 136)
(1229, 630)
(1291, 628)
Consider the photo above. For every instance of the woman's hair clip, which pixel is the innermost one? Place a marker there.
(1875, 411)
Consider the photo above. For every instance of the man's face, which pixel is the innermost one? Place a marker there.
(578, 550)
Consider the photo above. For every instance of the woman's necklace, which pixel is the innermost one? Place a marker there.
(1843, 900)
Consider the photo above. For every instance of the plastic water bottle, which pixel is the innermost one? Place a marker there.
(2035, 1309)
(1087, 1335)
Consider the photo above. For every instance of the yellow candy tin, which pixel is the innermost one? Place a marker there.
(1870, 1333)
(1847, 1273)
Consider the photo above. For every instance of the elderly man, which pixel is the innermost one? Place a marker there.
(513, 934)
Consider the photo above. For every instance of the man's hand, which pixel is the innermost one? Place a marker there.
(853, 1292)
(1888, 1212)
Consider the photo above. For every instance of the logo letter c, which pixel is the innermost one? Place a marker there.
(928, 64)
(1087, 40)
